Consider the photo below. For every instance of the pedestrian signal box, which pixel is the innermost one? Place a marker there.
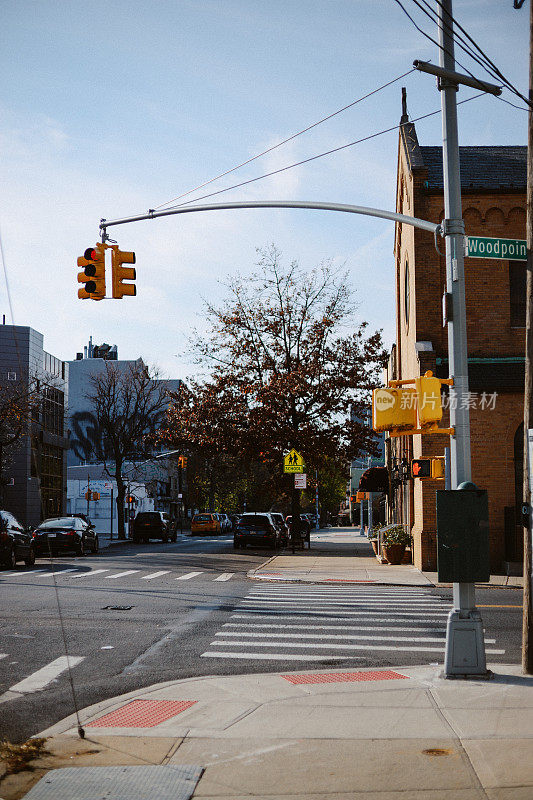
(393, 409)
(408, 411)
(428, 399)
(427, 468)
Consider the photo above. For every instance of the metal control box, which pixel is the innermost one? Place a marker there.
(463, 536)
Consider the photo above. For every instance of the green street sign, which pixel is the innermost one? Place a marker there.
(486, 247)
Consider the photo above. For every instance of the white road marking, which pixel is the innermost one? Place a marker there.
(340, 646)
(40, 679)
(280, 656)
(155, 575)
(348, 602)
(3, 655)
(225, 576)
(433, 617)
(57, 572)
(335, 636)
(90, 574)
(188, 575)
(25, 572)
(121, 574)
(255, 624)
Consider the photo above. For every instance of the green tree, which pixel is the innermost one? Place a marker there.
(285, 362)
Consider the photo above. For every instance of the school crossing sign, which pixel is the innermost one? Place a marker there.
(293, 462)
(486, 247)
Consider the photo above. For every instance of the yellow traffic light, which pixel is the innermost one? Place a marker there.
(428, 399)
(93, 275)
(393, 409)
(121, 274)
(182, 462)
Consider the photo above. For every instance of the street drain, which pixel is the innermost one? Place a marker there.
(437, 751)
(117, 608)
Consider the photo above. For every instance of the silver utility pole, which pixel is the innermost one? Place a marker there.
(465, 645)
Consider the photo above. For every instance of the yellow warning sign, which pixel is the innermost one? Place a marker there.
(293, 462)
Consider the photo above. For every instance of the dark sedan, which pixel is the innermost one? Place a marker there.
(65, 533)
(259, 530)
(15, 542)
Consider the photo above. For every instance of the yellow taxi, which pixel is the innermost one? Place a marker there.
(205, 523)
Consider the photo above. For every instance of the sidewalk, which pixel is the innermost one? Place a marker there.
(386, 734)
(343, 555)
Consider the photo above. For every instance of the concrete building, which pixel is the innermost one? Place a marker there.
(35, 466)
(156, 485)
(493, 181)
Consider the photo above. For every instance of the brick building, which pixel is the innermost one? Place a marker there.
(493, 182)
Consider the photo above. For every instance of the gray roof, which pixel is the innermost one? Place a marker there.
(491, 167)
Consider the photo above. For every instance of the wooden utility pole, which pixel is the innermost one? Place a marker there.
(527, 620)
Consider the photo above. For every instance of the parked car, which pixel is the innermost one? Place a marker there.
(84, 517)
(60, 534)
(15, 542)
(259, 530)
(150, 525)
(205, 523)
(305, 527)
(283, 528)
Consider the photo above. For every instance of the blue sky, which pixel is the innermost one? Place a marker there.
(108, 109)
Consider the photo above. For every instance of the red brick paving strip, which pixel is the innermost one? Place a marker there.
(142, 714)
(345, 677)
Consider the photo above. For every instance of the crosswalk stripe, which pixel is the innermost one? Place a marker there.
(336, 636)
(121, 574)
(255, 624)
(3, 655)
(90, 573)
(155, 575)
(351, 601)
(225, 576)
(21, 573)
(42, 677)
(187, 576)
(280, 656)
(57, 572)
(323, 645)
(342, 614)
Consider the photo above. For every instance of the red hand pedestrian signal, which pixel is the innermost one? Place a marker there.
(421, 468)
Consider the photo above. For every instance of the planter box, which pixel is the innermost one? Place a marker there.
(375, 546)
(393, 553)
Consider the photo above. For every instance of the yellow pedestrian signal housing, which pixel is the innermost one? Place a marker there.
(393, 409)
(121, 274)
(428, 399)
(405, 412)
(93, 275)
(428, 467)
(182, 462)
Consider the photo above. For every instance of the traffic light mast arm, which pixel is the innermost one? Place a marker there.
(392, 384)
(305, 204)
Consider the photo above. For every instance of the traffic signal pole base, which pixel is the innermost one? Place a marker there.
(465, 646)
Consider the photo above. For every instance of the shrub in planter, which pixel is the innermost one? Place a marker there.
(394, 543)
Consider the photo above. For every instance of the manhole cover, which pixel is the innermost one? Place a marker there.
(117, 608)
(169, 782)
(437, 751)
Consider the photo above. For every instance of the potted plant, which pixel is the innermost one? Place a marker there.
(394, 542)
(374, 539)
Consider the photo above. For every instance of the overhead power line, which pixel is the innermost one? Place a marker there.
(288, 139)
(480, 57)
(320, 155)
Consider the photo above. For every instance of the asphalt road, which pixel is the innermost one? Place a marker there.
(135, 615)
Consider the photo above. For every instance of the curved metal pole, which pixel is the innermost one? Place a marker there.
(369, 212)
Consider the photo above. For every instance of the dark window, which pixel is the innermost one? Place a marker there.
(517, 292)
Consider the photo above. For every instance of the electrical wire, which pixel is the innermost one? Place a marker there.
(289, 138)
(482, 59)
(321, 155)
